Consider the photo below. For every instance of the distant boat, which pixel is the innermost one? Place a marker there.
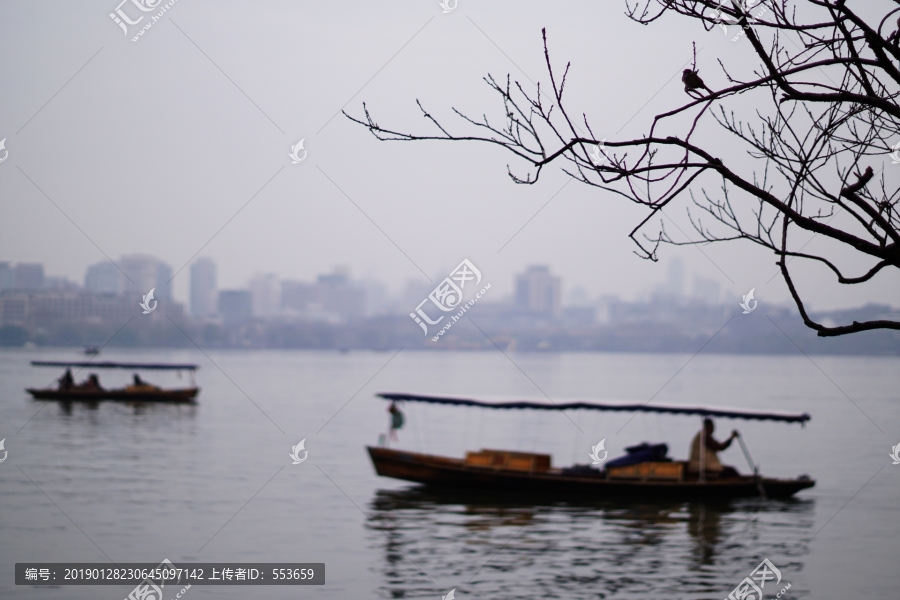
(177, 396)
(532, 473)
(91, 350)
(140, 391)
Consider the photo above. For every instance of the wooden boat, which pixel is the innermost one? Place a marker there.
(519, 472)
(458, 473)
(150, 394)
(140, 392)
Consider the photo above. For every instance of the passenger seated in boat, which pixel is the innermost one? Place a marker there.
(91, 384)
(66, 382)
(140, 385)
(711, 465)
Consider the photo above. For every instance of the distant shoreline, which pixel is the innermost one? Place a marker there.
(625, 327)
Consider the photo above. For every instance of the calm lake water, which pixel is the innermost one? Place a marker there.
(214, 482)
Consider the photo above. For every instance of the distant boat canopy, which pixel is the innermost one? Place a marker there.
(724, 413)
(117, 365)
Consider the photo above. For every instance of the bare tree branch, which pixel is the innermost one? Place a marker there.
(825, 92)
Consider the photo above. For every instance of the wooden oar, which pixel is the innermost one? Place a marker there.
(762, 490)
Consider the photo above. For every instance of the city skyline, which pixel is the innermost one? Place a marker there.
(334, 311)
(142, 272)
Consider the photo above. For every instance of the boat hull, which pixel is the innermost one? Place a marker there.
(176, 396)
(449, 472)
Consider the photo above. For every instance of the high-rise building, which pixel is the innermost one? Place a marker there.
(338, 296)
(7, 276)
(538, 291)
(266, 291)
(143, 273)
(29, 276)
(163, 277)
(297, 295)
(13, 307)
(674, 285)
(203, 287)
(104, 278)
(235, 306)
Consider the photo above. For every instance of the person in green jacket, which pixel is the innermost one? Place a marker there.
(396, 420)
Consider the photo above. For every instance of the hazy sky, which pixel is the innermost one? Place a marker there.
(179, 142)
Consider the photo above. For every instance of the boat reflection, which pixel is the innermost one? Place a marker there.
(69, 409)
(511, 546)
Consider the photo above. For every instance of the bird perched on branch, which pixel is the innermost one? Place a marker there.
(692, 81)
(894, 38)
(861, 180)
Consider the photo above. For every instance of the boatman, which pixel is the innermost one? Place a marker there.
(66, 382)
(711, 465)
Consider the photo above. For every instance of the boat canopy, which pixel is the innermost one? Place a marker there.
(117, 365)
(725, 413)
